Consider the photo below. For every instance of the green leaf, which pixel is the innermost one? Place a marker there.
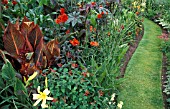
(5, 107)
(43, 2)
(2, 85)
(19, 88)
(93, 20)
(8, 72)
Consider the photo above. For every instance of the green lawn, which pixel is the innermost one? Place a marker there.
(141, 86)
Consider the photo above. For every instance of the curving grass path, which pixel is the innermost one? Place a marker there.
(141, 86)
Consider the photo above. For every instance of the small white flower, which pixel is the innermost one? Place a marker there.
(113, 97)
(119, 105)
(143, 4)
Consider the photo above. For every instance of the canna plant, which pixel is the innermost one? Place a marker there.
(24, 45)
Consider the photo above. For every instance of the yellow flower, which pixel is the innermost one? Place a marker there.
(119, 105)
(142, 10)
(46, 84)
(32, 76)
(42, 96)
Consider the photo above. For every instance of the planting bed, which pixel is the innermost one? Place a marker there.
(76, 54)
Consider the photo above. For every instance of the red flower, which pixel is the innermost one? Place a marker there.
(4, 1)
(91, 28)
(122, 26)
(64, 17)
(94, 43)
(86, 93)
(99, 16)
(84, 74)
(61, 18)
(60, 65)
(70, 73)
(137, 13)
(68, 54)
(54, 100)
(74, 65)
(74, 42)
(58, 21)
(102, 13)
(101, 6)
(62, 10)
(93, 3)
(68, 31)
(14, 2)
(101, 93)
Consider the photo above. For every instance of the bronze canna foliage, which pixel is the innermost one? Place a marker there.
(24, 44)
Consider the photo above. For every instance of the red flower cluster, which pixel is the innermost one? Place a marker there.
(74, 42)
(63, 17)
(6, 2)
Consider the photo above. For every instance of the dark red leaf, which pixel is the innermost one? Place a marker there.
(13, 40)
(53, 47)
(35, 36)
(39, 54)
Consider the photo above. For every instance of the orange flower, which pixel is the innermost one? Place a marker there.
(94, 43)
(106, 12)
(74, 42)
(99, 16)
(93, 3)
(91, 28)
(62, 10)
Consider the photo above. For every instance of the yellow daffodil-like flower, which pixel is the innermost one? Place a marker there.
(119, 105)
(42, 96)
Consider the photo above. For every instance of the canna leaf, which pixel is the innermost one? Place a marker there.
(35, 36)
(26, 26)
(47, 53)
(13, 40)
(39, 54)
(53, 47)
